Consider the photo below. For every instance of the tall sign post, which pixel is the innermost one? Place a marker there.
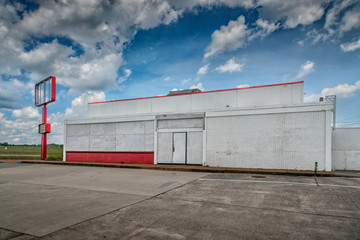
(45, 92)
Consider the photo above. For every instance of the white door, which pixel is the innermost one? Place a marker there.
(179, 148)
(194, 148)
(165, 147)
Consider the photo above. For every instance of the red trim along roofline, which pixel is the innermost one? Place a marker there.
(223, 90)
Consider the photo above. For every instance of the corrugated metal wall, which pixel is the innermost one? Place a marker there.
(269, 141)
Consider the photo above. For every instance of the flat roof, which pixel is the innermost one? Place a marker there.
(222, 90)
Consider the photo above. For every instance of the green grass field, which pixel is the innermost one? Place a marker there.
(25, 152)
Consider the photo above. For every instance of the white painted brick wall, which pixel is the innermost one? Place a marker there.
(268, 141)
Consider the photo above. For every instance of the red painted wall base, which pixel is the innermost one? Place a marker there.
(110, 157)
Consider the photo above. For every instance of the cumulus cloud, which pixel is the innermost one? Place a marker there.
(231, 66)
(341, 91)
(26, 113)
(349, 47)
(22, 129)
(198, 86)
(79, 104)
(98, 28)
(236, 34)
(228, 38)
(305, 69)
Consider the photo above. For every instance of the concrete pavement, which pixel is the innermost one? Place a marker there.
(72, 202)
(40, 199)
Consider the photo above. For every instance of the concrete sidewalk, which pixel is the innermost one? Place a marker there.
(189, 168)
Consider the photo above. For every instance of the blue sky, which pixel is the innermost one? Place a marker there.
(103, 50)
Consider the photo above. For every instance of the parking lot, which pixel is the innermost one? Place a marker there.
(73, 202)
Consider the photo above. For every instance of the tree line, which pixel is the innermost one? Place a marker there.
(35, 145)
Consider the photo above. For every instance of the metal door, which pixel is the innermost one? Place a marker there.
(179, 148)
(194, 148)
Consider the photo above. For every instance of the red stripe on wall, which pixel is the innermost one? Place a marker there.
(110, 157)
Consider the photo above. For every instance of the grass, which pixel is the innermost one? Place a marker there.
(55, 157)
(29, 152)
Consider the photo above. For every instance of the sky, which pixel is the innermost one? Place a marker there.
(120, 49)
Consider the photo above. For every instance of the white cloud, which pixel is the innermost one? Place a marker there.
(154, 13)
(26, 113)
(185, 81)
(348, 47)
(351, 20)
(203, 70)
(21, 129)
(231, 66)
(198, 86)
(293, 12)
(79, 104)
(228, 38)
(332, 15)
(102, 28)
(339, 19)
(243, 86)
(301, 43)
(305, 69)
(97, 71)
(264, 28)
(167, 79)
(11, 92)
(191, 4)
(341, 91)
(127, 73)
(235, 35)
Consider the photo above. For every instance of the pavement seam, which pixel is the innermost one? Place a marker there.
(269, 209)
(278, 182)
(85, 189)
(121, 208)
(19, 233)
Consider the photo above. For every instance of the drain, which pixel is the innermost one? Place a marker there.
(258, 176)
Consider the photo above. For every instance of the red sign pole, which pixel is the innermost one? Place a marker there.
(43, 137)
(45, 92)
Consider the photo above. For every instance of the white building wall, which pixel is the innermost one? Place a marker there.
(289, 94)
(289, 140)
(346, 149)
(119, 136)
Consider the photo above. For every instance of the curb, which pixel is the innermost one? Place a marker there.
(187, 168)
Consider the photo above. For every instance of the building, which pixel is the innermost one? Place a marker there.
(266, 127)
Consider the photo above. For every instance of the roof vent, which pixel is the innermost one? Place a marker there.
(177, 92)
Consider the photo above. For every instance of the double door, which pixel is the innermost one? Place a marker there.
(180, 148)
